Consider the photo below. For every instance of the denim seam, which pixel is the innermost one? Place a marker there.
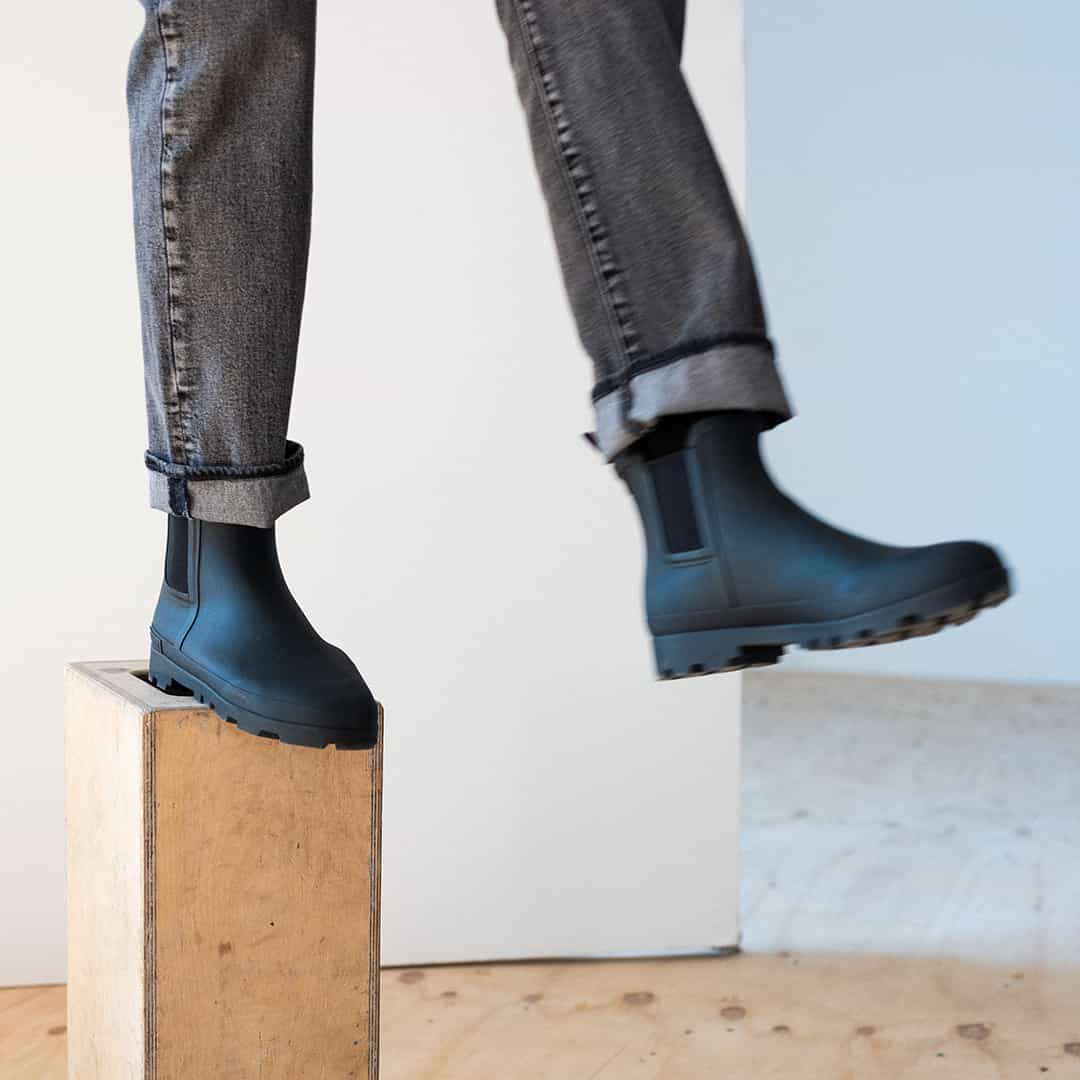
(645, 364)
(178, 495)
(596, 236)
(294, 459)
(168, 226)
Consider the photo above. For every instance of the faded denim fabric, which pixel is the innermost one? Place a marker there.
(220, 104)
(656, 265)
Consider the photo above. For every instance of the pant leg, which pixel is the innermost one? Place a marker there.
(220, 106)
(656, 264)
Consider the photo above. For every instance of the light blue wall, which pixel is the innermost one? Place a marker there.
(914, 178)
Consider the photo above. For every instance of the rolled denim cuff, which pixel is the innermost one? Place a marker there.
(229, 494)
(729, 375)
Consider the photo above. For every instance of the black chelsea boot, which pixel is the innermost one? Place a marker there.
(228, 630)
(736, 570)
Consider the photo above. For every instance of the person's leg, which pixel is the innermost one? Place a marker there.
(220, 98)
(656, 265)
(661, 282)
(220, 103)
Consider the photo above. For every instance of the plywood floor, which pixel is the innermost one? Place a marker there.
(912, 909)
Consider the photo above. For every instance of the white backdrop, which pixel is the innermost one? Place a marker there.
(542, 793)
(913, 174)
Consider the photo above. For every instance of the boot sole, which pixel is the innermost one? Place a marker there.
(706, 652)
(169, 677)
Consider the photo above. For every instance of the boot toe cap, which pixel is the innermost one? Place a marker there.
(936, 577)
(958, 561)
(350, 708)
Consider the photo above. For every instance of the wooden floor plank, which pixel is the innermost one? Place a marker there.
(32, 1033)
(804, 1016)
(755, 1016)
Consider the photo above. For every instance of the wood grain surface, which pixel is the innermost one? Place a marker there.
(751, 1017)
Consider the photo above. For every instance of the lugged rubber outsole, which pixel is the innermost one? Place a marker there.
(707, 652)
(170, 678)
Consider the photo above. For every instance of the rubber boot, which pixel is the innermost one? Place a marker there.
(736, 571)
(228, 631)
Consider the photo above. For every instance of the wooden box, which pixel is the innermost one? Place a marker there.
(223, 893)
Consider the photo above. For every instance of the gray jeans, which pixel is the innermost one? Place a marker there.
(656, 265)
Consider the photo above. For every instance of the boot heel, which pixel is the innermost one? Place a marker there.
(705, 652)
(162, 672)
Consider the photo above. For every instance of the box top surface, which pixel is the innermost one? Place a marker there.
(128, 679)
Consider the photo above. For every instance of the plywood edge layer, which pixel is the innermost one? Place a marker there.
(375, 874)
(149, 800)
(105, 851)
